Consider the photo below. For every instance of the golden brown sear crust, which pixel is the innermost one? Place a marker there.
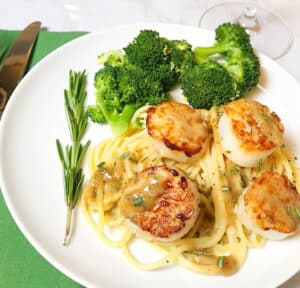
(256, 128)
(271, 200)
(178, 126)
(169, 201)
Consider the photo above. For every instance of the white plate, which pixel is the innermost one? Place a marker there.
(31, 176)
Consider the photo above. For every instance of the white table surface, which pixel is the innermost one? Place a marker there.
(91, 15)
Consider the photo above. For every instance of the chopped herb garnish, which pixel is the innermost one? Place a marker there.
(197, 252)
(221, 261)
(138, 201)
(297, 210)
(138, 122)
(228, 151)
(99, 165)
(234, 170)
(143, 159)
(289, 210)
(225, 188)
(127, 196)
(124, 155)
(135, 180)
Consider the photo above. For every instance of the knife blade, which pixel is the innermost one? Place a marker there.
(15, 62)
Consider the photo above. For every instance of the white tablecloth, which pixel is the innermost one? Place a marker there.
(91, 15)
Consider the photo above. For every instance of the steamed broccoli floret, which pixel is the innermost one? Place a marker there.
(96, 114)
(233, 44)
(181, 55)
(148, 50)
(112, 58)
(121, 90)
(208, 84)
(132, 79)
(164, 59)
(109, 102)
(140, 86)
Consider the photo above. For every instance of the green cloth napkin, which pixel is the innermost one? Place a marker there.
(20, 264)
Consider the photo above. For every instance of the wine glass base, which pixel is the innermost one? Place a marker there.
(270, 35)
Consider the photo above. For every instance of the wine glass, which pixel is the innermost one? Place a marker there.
(268, 31)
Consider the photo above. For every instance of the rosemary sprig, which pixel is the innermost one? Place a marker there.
(71, 157)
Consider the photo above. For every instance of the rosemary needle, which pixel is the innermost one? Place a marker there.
(71, 157)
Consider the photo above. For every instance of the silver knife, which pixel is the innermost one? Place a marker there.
(15, 62)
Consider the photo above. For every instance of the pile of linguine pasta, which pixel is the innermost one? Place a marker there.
(218, 243)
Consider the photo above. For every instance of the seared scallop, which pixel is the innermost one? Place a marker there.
(270, 206)
(160, 203)
(176, 130)
(249, 132)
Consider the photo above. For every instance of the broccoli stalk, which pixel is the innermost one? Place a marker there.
(118, 121)
(202, 53)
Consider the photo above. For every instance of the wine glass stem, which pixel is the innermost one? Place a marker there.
(250, 10)
(248, 19)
